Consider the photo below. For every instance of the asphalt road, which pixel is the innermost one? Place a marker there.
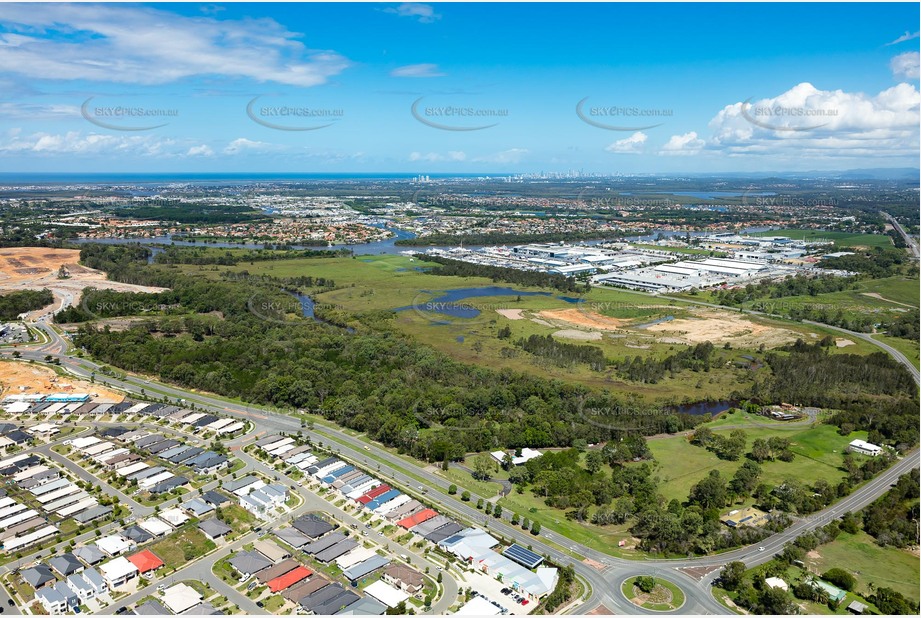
(912, 245)
(604, 582)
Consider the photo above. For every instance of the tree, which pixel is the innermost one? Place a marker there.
(646, 583)
(488, 508)
(479, 503)
(398, 610)
(497, 511)
(515, 519)
(526, 523)
(732, 575)
(709, 492)
(840, 578)
(465, 496)
(593, 462)
(482, 468)
(535, 528)
(760, 450)
(452, 489)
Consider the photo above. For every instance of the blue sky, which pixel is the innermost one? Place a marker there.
(663, 87)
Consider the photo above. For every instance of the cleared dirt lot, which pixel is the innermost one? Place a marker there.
(18, 378)
(585, 319)
(36, 268)
(711, 325)
(721, 327)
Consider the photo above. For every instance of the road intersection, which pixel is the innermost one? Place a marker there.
(602, 572)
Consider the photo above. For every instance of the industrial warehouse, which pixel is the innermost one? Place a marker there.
(733, 260)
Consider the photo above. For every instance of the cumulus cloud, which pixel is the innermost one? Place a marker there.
(425, 13)
(142, 45)
(687, 144)
(806, 121)
(431, 157)
(86, 144)
(906, 65)
(417, 70)
(512, 155)
(905, 37)
(631, 144)
(200, 151)
(241, 145)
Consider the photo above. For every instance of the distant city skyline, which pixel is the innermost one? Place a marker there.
(458, 88)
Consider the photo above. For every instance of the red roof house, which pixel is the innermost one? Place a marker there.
(145, 561)
(289, 579)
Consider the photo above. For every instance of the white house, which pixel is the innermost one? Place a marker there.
(118, 571)
(264, 500)
(864, 448)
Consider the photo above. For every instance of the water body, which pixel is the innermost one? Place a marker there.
(701, 408)
(452, 302)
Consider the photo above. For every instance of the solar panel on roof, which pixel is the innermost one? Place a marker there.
(523, 556)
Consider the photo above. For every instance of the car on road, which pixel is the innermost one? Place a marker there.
(260, 604)
(760, 549)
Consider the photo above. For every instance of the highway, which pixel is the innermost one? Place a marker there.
(604, 578)
(912, 245)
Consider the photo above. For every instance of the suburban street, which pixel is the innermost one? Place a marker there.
(602, 572)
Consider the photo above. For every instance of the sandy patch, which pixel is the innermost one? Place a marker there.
(719, 327)
(512, 314)
(636, 347)
(587, 319)
(542, 322)
(843, 343)
(35, 268)
(39, 380)
(579, 335)
(879, 296)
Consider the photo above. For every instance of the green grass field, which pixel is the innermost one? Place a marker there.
(841, 239)
(181, 547)
(869, 563)
(818, 452)
(388, 282)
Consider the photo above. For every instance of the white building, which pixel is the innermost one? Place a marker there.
(864, 448)
(118, 571)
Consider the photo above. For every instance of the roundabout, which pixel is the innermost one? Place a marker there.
(652, 593)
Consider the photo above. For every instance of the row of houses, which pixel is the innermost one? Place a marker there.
(79, 404)
(49, 493)
(258, 497)
(471, 544)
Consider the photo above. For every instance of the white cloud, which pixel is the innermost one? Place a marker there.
(906, 65)
(28, 111)
(417, 70)
(453, 155)
(905, 37)
(807, 122)
(512, 155)
(199, 151)
(77, 143)
(425, 13)
(241, 144)
(687, 144)
(142, 45)
(631, 144)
